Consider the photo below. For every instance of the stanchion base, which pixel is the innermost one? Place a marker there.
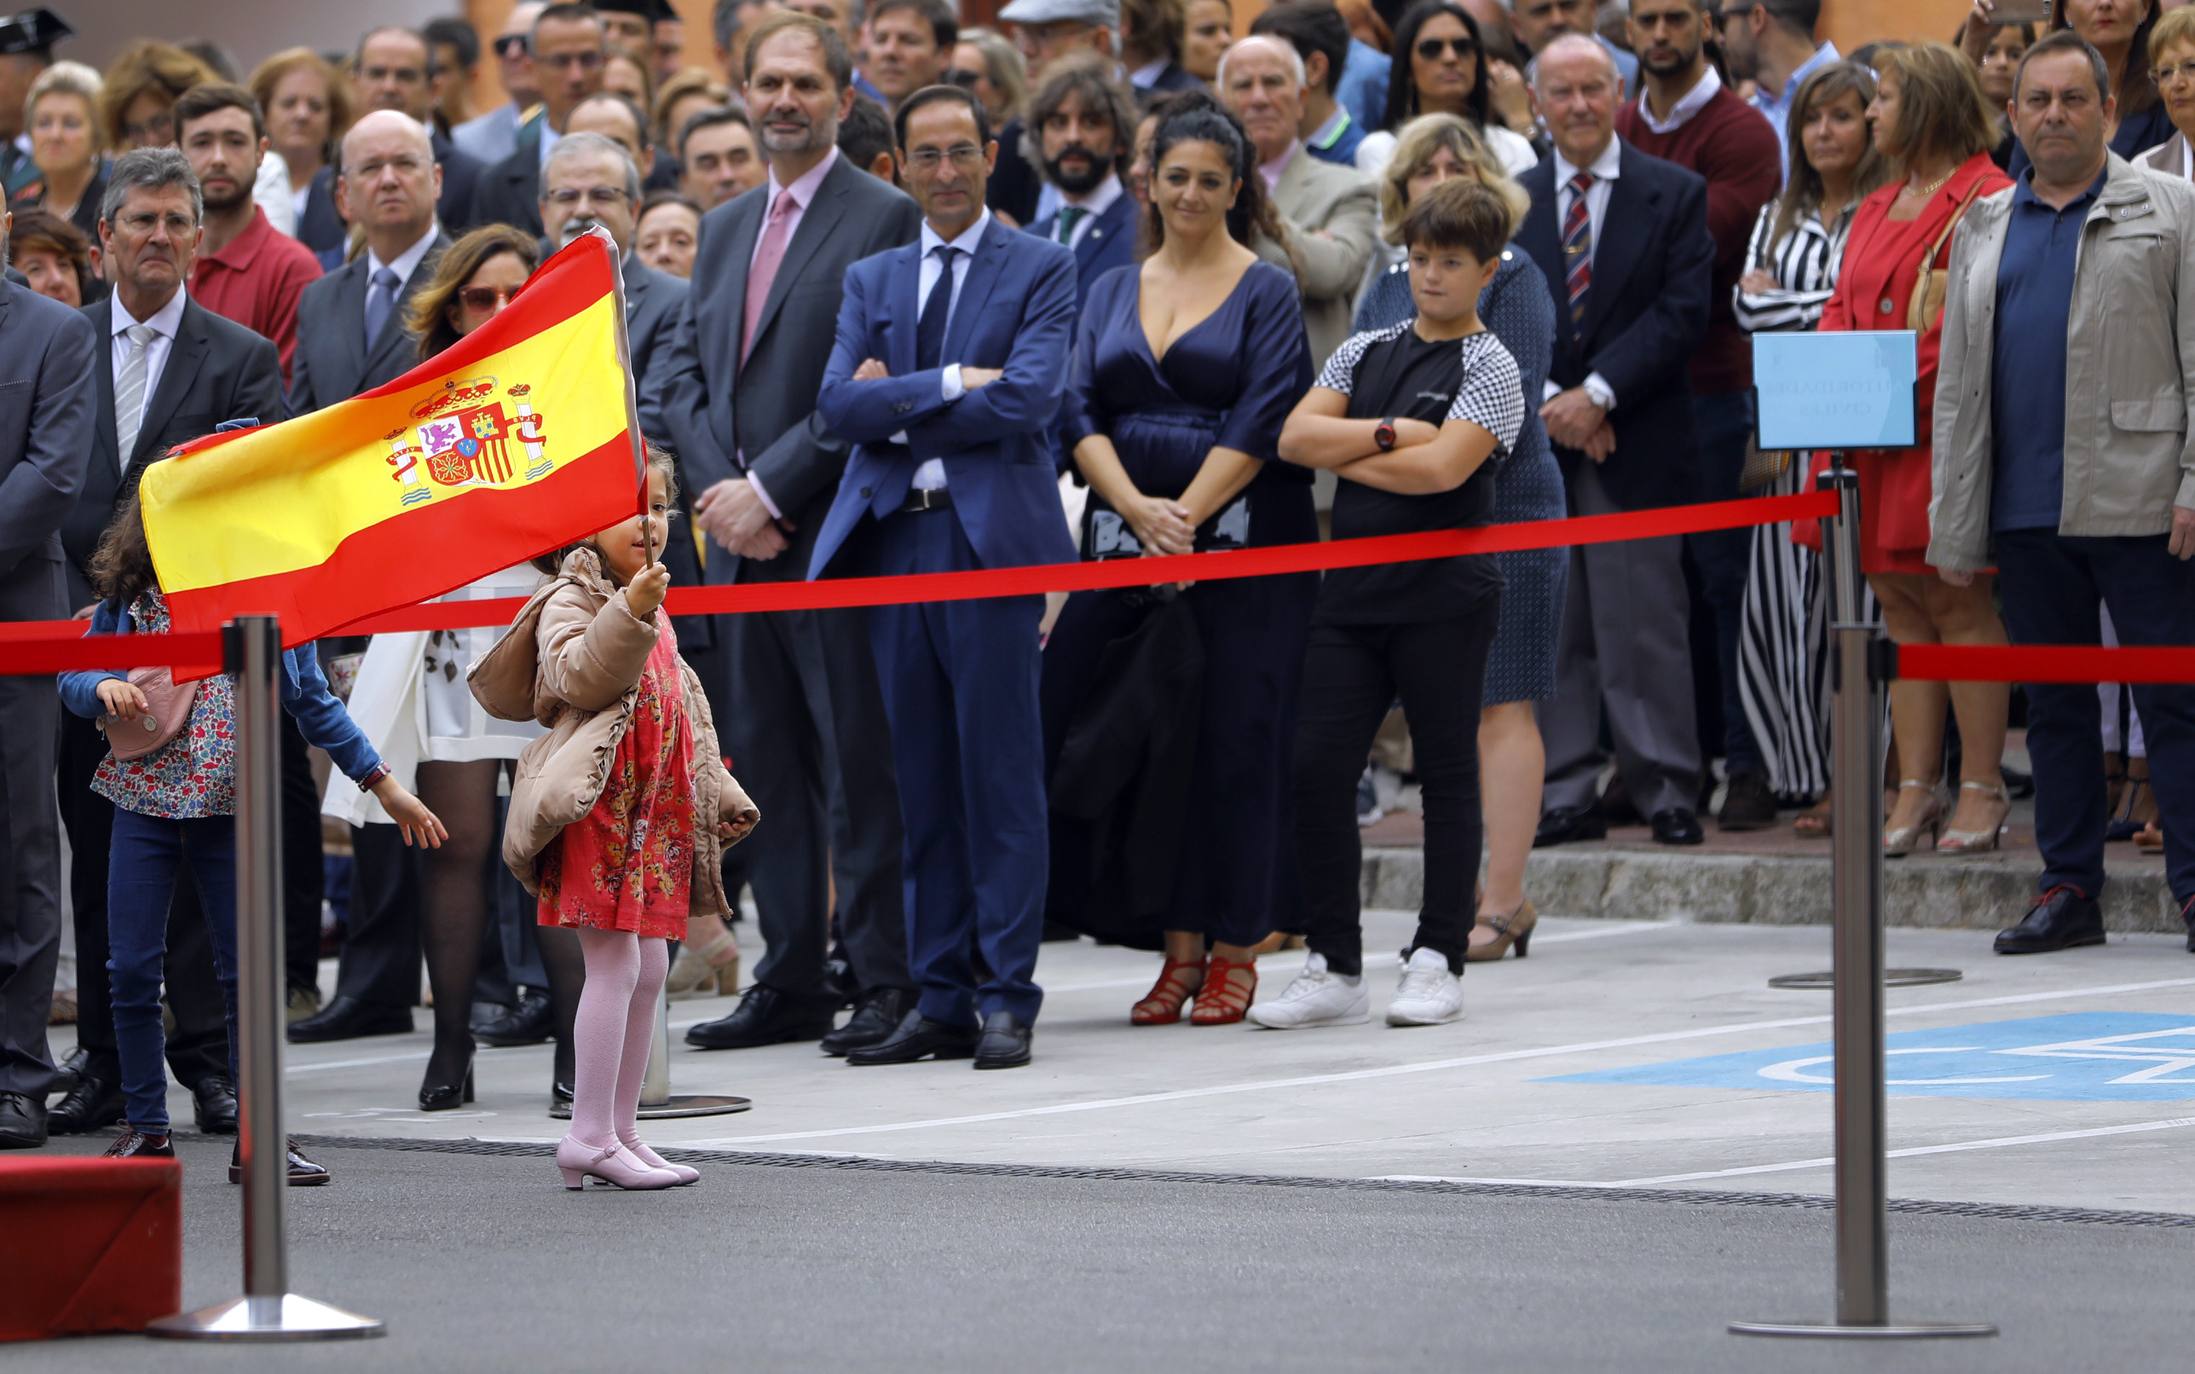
(1887, 1331)
(285, 1318)
(693, 1104)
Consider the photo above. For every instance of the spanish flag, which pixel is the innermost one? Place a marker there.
(517, 440)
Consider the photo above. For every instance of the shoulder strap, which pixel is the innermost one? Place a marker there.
(1966, 201)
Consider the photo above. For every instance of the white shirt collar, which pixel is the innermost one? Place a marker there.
(1148, 72)
(970, 238)
(1607, 167)
(1688, 105)
(165, 321)
(1100, 198)
(407, 262)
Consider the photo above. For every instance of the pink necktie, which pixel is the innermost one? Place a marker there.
(764, 269)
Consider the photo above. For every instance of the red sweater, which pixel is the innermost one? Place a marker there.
(1730, 144)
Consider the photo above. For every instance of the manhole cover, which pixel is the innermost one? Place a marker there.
(1892, 978)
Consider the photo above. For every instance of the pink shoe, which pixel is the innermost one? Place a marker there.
(656, 1161)
(612, 1163)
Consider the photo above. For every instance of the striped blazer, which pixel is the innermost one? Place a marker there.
(1804, 265)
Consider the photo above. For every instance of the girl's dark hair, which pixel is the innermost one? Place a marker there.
(1195, 117)
(659, 459)
(1402, 86)
(121, 567)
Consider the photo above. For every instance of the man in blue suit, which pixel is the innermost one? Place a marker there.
(1081, 132)
(1622, 239)
(946, 376)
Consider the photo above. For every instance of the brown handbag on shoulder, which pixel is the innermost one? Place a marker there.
(1924, 311)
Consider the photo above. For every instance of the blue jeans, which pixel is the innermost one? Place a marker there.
(148, 855)
(1721, 423)
(2051, 588)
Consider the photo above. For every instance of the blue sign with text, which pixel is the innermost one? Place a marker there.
(1837, 390)
(2075, 1057)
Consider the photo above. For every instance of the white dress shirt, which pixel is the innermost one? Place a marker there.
(1605, 170)
(931, 475)
(165, 321)
(1097, 202)
(805, 187)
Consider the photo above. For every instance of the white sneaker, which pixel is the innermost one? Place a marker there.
(1315, 997)
(1428, 994)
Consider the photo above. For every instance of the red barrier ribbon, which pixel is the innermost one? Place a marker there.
(59, 646)
(2064, 663)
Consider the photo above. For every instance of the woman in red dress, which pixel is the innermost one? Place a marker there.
(1931, 120)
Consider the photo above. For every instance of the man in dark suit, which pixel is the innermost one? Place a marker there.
(351, 338)
(165, 370)
(800, 708)
(1622, 239)
(947, 373)
(1083, 128)
(394, 69)
(45, 433)
(569, 49)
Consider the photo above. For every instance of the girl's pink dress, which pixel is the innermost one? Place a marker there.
(629, 863)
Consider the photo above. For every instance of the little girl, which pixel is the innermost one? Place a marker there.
(619, 815)
(175, 808)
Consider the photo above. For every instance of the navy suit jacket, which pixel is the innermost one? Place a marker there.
(1016, 312)
(510, 191)
(1645, 314)
(1105, 245)
(333, 362)
(46, 407)
(216, 370)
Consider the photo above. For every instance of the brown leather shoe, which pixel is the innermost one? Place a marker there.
(136, 1144)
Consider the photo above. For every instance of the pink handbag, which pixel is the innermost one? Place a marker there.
(168, 710)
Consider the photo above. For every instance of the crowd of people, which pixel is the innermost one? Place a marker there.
(1119, 278)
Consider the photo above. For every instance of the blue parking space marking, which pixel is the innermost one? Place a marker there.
(2075, 1057)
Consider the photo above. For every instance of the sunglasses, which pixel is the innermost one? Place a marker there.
(963, 77)
(511, 45)
(1431, 48)
(486, 298)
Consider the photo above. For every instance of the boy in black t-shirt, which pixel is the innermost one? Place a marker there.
(1413, 420)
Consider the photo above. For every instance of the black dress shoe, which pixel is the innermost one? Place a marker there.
(1749, 804)
(1004, 1043)
(916, 1038)
(93, 1104)
(347, 1018)
(22, 1121)
(1566, 824)
(1677, 826)
(560, 1099)
(1616, 807)
(530, 1021)
(764, 1016)
(2062, 918)
(874, 1020)
(136, 1144)
(303, 1172)
(64, 1078)
(214, 1102)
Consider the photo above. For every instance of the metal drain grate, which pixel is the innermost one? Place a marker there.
(1987, 1211)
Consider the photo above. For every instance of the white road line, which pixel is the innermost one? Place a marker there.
(1436, 1065)
(2001, 1142)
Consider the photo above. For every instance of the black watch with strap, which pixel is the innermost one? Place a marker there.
(1383, 434)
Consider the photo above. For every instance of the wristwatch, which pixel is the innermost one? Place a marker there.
(1384, 435)
(380, 771)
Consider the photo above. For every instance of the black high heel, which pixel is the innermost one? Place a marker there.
(444, 1097)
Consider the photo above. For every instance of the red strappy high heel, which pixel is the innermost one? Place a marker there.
(1177, 981)
(1221, 1002)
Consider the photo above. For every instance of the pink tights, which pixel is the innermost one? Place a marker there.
(611, 1036)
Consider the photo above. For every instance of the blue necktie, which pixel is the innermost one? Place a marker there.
(930, 329)
(380, 301)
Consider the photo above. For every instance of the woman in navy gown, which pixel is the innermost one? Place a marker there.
(1185, 367)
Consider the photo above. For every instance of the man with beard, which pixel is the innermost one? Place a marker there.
(1685, 116)
(796, 692)
(1082, 128)
(1771, 43)
(246, 270)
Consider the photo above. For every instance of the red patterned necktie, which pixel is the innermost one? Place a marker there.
(1577, 247)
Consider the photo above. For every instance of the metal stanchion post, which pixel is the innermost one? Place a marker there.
(657, 1101)
(1855, 724)
(268, 1310)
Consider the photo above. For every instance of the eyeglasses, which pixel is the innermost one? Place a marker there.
(568, 196)
(1431, 48)
(963, 77)
(486, 298)
(962, 154)
(511, 45)
(2165, 76)
(157, 130)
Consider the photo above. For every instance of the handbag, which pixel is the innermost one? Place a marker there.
(1924, 309)
(167, 711)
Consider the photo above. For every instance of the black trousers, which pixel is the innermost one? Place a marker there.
(199, 1048)
(1351, 675)
(380, 956)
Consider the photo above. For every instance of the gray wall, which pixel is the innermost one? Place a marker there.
(249, 29)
